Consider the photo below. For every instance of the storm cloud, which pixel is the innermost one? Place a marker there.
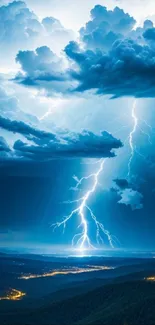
(122, 183)
(110, 59)
(131, 198)
(45, 145)
(128, 193)
(25, 129)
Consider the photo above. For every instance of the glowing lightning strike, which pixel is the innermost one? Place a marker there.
(82, 240)
(131, 137)
(135, 126)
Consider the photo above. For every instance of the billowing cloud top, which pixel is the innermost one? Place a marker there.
(22, 29)
(105, 27)
(111, 58)
(41, 69)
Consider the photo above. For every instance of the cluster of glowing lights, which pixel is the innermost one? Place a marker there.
(13, 294)
(151, 278)
(73, 270)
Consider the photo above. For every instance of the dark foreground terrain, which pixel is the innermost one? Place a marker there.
(121, 293)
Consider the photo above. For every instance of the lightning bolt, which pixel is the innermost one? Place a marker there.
(131, 135)
(82, 240)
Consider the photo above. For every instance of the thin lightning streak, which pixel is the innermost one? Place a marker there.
(131, 137)
(145, 133)
(148, 125)
(82, 239)
(135, 126)
(43, 117)
(100, 229)
(80, 181)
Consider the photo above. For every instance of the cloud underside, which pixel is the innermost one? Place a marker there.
(42, 145)
(127, 70)
(110, 58)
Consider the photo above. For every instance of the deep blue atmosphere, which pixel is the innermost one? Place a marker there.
(62, 115)
(77, 162)
(77, 126)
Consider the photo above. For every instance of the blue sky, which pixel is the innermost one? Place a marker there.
(77, 86)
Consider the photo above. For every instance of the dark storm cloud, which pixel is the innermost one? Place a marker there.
(129, 196)
(5, 151)
(64, 145)
(43, 69)
(114, 59)
(127, 70)
(25, 129)
(122, 183)
(3, 145)
(149, 34)
(72, 145)
(39, 63)
(132, 198)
